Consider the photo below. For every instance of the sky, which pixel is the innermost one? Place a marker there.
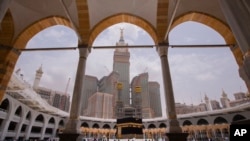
(194, 71)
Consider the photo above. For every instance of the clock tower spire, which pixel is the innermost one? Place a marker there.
(121, 43)
(121, 65)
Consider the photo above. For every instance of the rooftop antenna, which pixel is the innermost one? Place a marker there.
(67, 86)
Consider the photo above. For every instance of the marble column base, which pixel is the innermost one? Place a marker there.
(69, 137)
(177, 136)
(72, 127)
(173, 126)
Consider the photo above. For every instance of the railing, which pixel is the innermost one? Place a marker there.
(16, 118)
(3, 110)
(3, 114)
(38, 123)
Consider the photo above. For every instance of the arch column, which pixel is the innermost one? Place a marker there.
(6, 122)
(237, 14)
(19, 127)
(174, 130)
(54, 130)
(8, 58)
(72, 129)
(28, 130)
(45, 125)
(4, 128)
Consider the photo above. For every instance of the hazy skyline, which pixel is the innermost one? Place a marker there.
(194, 71)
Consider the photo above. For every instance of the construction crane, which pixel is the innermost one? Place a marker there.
(107, 69)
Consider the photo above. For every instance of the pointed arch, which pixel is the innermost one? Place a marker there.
(52, 120)
(40, 118)
(19, 111)
(122, 17)
(61, 123)
(208, 20)
(28, 116)
(5, 105)
(216, 24)
(23, 38)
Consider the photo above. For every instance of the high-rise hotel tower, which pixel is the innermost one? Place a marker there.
(121, 65)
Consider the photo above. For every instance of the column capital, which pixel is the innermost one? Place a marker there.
(162, 49)
(84, 51)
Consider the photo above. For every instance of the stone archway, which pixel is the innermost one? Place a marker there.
(7, 54)
(10, 53)
(216, 24)
(22, 39)
(122, 17)
(224, 30)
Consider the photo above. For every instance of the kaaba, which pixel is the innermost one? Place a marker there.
(129, 128)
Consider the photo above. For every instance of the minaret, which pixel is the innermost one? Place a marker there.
(121, 66)
(225, 102)
(207, 103)
(38, 76)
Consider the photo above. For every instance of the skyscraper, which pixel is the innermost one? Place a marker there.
(100, 105)
(90, 87)
(108, 85)
(155, 98)
(121, 65)
(142, 81)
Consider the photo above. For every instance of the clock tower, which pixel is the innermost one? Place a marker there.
(121, 65)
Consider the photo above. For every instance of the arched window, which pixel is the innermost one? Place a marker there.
(18, 111)
(162, 125)
(202, 122)
(52, 120)
(61, 123)
(151, 126)
(84, 124)
(220, 120)
(40, 118)
(5, 105)
(95, 125)
(106, 126)
(186, 123)
(28, 116)
(238, 117)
